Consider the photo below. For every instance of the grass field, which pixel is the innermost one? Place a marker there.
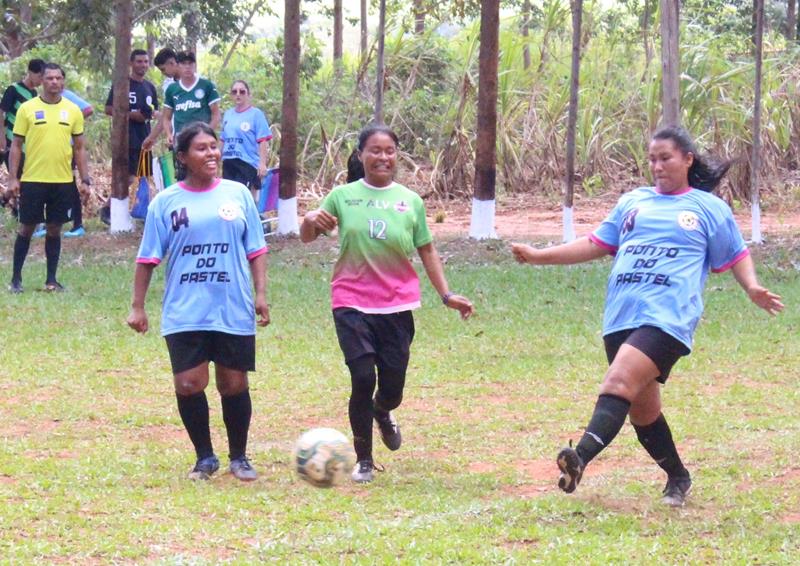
(93, 456)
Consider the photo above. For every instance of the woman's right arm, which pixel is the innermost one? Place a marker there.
(315, 223)
(577, 251)
(137, 319)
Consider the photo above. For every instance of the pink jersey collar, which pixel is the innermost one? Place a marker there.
(213, 186)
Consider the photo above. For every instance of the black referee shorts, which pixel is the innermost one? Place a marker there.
(45, 202)
(386, 336)
(662, 348)
(190, 349)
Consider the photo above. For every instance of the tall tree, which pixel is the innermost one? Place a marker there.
(120, 216)
(791, 20)
(419, 17)
(364, 30)
(338, 26)
(380, 71)
(483, 202)
(287, 205)
(526, 26)
(670, 62)
(572, 119)
(755, 156)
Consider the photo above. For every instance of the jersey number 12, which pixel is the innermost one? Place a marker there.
(377, 229)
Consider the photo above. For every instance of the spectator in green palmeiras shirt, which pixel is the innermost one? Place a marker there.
(191, 99)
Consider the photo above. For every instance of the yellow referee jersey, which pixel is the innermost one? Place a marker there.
(48, 130)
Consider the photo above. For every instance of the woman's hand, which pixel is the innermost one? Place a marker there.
(137, 320)
(262, 310)
(765, 299)
(322, 220)
(461, 304)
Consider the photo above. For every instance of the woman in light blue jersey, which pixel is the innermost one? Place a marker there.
(665, 240)
(209, 231)
(245, 137)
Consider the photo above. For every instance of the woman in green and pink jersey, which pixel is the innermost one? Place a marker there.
(375, 287)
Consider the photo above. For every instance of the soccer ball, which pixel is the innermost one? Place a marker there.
(324, 457)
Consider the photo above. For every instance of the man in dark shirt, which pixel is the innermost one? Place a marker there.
(13, 98)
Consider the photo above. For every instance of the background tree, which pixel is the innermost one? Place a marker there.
(287, 206)
(569, 178)
(790, 31)
(483, 202)
(120, 217)
(755, 155)
(338, 26)
(380, 69)
(670, 63)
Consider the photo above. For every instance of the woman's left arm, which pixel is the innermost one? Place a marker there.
(263, 155)
(745, 273)
(433, 267)
(258, 268)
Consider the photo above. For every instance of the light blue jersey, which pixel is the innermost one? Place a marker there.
(665, 245)
(210, 235)
(75, 99)
(242, 132)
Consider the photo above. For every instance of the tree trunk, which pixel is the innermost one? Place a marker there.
(755, 157)
(419, 17)
(482, 225)
(337, 35)
(191, 23)
(120, 217)
(648, 47)
(572, 119)
(364, 30)
(791, 20)
(526, 24)
(287, 206)
(670, 63)
(380, 72)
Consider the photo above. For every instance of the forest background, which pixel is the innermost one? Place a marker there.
(430, 89)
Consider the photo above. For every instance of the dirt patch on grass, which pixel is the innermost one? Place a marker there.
(791, 518)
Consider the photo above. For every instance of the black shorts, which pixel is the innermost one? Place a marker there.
(45, 202)
(663, 349)
(386, 336)
(241, 172)
(190, 349)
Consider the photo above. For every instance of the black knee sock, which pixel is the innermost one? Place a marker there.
(52, 250)
(194, 414)
(21, 246)
(236, 413)
(391, 382)
(609, 416)
(657, 440)
(362, 377)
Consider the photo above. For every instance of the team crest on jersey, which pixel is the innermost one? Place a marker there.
(199, 93)
(245, 126)
(230, 211)
(39, 115)
(149, 100)
(688, 220)
(629, 221)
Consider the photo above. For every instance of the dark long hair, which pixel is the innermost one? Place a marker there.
(188, 133)
(355, 168)
(706, 172)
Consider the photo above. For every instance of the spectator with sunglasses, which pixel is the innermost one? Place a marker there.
(245, 138)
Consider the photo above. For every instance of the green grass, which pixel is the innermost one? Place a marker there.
(93, 457)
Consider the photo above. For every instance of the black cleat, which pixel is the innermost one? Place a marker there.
(204, 468)
(15, 287)
(676, 490)
(390, 430)
(243, 470)
(571, 467)
(364, 472)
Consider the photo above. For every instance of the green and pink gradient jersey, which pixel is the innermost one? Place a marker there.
(379, 229)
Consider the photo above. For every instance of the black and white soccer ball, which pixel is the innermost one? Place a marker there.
(324, 457)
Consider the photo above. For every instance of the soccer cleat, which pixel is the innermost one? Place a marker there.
(571, 466)
(364, 471)
(676, 490)
(15, 287)
(40, 233)
(390, 430)
(75, 232)
(53, 287)
(204, 468)
(242, 470)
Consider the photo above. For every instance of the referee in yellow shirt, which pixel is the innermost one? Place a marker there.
(51, 127)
